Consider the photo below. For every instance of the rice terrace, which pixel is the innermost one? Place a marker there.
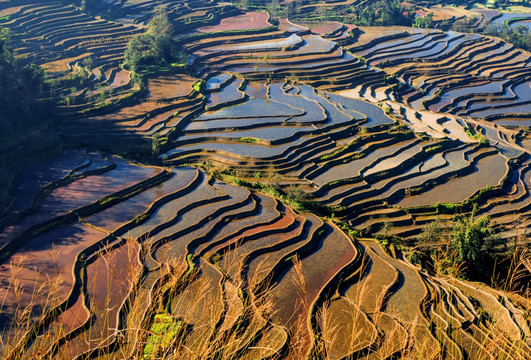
(265, 179)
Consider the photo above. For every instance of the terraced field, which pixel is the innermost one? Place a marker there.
(202, 248)
(462, 74)
(65, 35)
(348, 154)
(192, 244)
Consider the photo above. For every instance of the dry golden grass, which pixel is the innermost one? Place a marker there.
(210, 311)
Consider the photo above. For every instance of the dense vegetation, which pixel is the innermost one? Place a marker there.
(463, 247)
(154, 48)
(383, 13)
(27, 130)
(520, 36)
(20, 88)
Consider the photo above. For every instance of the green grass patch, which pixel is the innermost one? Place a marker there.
(163, 331)
(198, 86)
(106, 200)
(250, 140)
(141, 218)
(216, 258)
(481, 139)
(191, 265)
(433, 148)
(342, 150)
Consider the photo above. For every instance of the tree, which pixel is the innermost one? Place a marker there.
(463, 24)
(273, 8)
(20, 88)
(425, 21)
(473, 243)
(298, 6)
(266, 62)
(88, 63)
(465, 250)
(469, 237)
(289, 10)
(28, 131)
(432, 233)
(382, 12)
(155, 47)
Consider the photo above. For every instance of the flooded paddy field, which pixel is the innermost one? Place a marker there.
(266, 190)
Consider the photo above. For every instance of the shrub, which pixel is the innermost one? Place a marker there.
(469, 237)
(482, 140)
(199, 86)
(433, 148)
(248, 140)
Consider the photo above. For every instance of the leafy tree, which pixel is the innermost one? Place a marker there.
(469, 237)
(465, 250)
(432, 233)
(289, 10)
(425, 21)
(266, 62)
(26, 129)
(463, 24)
(20, 88)
(298, 6)
(155, 47)
(383, 13)
(273, 8)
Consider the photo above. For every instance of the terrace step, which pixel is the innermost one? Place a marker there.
(350, 329)
(337, 249)
(472, 59)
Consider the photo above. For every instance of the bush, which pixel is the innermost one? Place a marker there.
(250, 140)
(469, 237)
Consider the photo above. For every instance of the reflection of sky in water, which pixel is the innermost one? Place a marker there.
(522, 91)
(484, 89)
(270, 44)
(32, 177)
(488, 171)
(526, 23)
(256, 90)
(252, 150)
(124, 211)
(268, 133)
(222, 124)
(228, 93)
(513, 108)
(490, 88)
(426, 49)
(87, 190)
(507, 16)
(253, 108)
(353, 168)
(391, 44)
(374, 113)
(215, 81)
(51, 254)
